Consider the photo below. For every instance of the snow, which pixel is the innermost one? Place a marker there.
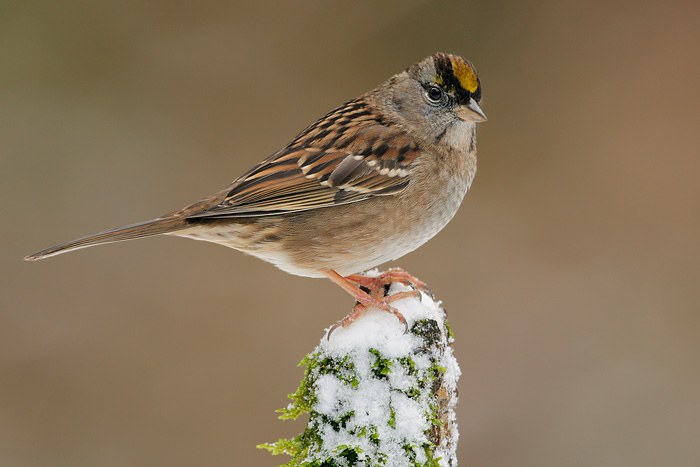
(382, 412)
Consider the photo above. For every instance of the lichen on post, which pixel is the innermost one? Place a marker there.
(378, 397)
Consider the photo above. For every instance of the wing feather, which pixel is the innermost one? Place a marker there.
(349, 155)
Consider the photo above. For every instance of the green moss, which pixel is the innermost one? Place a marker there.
(409, 365)
(392, 417)
(307, 449)
(429, 331)
(381, 366)
(450, 334)
(305, 397)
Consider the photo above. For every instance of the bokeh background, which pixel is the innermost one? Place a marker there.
(571, 273)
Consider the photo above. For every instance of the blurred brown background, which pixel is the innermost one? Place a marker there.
(571, 273)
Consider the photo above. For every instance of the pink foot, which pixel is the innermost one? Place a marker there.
(376, 298)
(376, 284)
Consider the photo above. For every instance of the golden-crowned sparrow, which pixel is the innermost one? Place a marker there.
(369, 182)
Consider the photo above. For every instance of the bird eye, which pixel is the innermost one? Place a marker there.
(434, 93)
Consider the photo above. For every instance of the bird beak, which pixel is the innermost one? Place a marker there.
(471, 112)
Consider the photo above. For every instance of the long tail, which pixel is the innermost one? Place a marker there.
(142, 229)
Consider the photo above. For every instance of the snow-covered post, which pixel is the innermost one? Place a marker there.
(378, 397)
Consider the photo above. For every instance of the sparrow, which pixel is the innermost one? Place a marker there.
(367, 183)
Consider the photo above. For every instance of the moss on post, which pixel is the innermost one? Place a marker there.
(378, 397)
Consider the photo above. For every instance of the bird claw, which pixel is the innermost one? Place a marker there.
(402, 320)
(333, 328)
(370, 292)
(381, 303)
(357, 311)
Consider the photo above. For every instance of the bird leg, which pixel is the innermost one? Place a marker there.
(375, 298)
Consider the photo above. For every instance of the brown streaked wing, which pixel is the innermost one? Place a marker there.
(347, 156)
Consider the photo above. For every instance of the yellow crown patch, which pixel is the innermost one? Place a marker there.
(456, 74)
(465, 74)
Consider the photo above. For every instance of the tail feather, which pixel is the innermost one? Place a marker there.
(129, 232)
